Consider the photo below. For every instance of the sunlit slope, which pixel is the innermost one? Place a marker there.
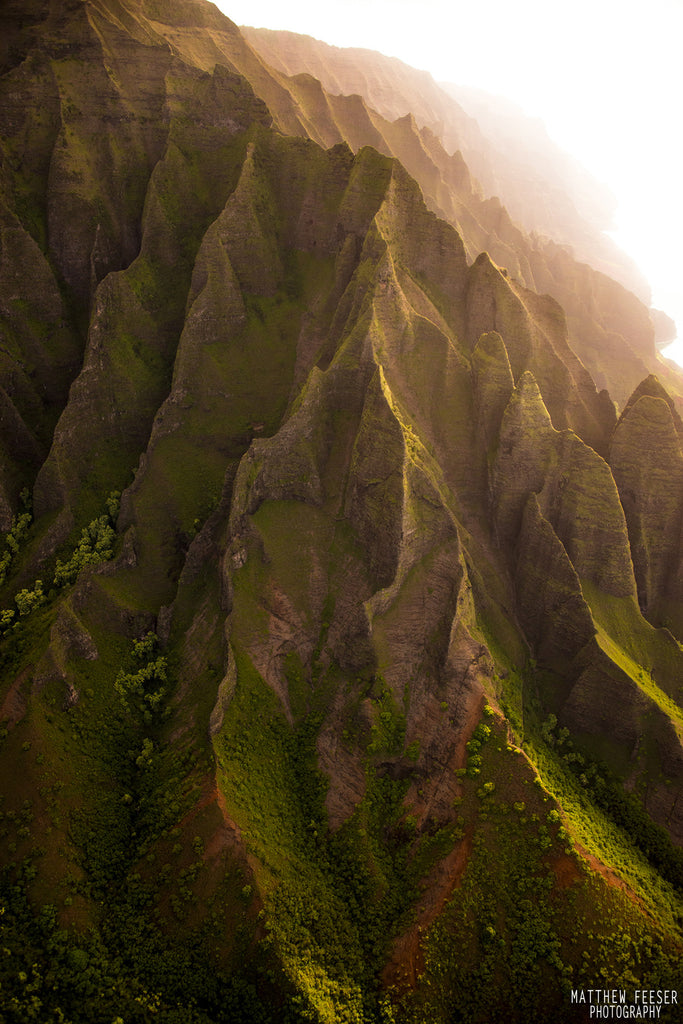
(325, 664)
(510, 156)
(548, 229)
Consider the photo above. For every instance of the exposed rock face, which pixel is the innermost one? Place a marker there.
(377, 525)
(646, 460)
(510, 155)
(511, 158)
(554, 612)
(524, 456)
(493, 383)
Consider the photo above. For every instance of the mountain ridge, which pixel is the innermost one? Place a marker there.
(328, 573)
(484, 224)
(456, 115)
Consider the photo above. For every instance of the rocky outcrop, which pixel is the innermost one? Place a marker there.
(553, 610)
(493, 383)
(550, 244)
(646, 460)
(368, 541)
(510, 155)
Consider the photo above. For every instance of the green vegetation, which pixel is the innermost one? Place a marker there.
(623, 808)
(611, 823)
(143, 690)
(16, 535)
(333, 900)
(96, 544)
(527, 922)
(128, 970)
(243, 778)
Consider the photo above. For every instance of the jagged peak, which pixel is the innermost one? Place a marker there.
(484, 262)
(304, 78)
(350, 494)
(487, 275)
(527, 402)
(491, 346)
(652, 387)
(654, 408)
(408, 120)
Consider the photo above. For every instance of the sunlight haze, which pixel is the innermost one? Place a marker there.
(604, 77)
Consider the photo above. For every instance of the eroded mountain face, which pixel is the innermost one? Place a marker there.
(563, 212)
(510, 155)
(340, 659)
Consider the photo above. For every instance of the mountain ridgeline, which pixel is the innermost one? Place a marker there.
(341, 594)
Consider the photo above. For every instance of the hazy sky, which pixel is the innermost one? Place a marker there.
(604, 75)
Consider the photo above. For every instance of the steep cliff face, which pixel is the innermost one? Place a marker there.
(340, 609)
(511, 156)
(551, 220)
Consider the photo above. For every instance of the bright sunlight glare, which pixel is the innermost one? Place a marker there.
(603, 75)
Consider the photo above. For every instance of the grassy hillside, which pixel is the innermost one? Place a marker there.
(339, 609)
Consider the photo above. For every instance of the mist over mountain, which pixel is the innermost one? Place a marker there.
(510, 155)
(342, 584)
(561, 210)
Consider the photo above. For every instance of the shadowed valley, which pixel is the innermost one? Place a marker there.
(341, 585)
